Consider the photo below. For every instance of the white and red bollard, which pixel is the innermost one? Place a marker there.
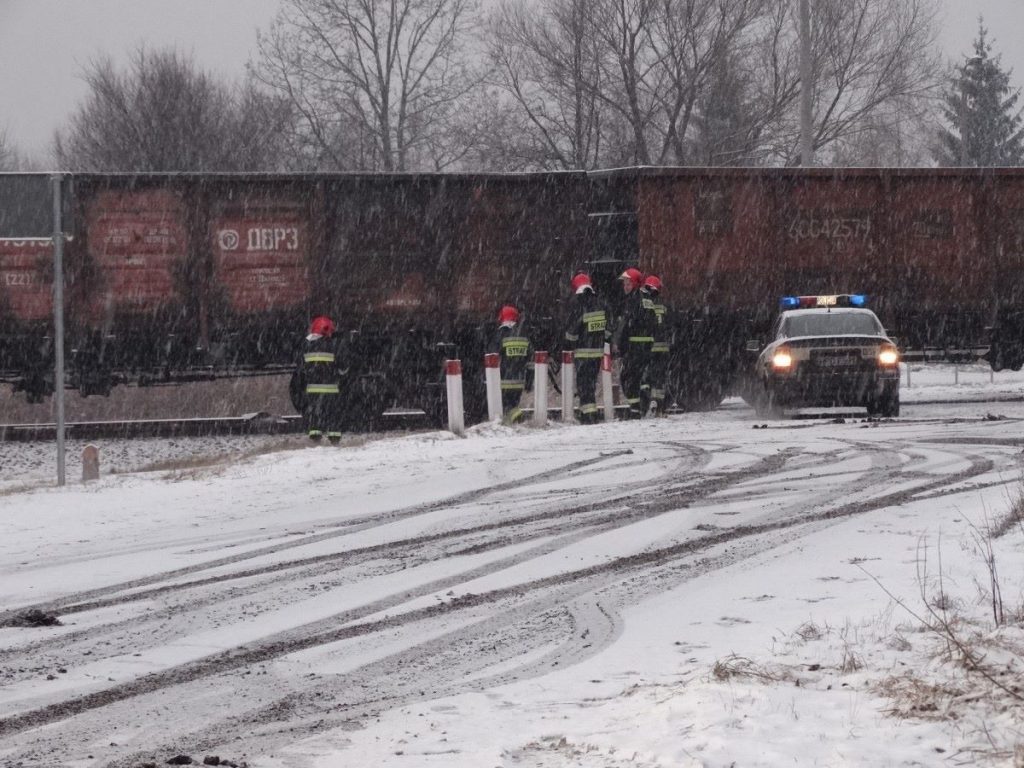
(540, 388)
(607, 395)
(568, 385)
(456, 413)
(492, 381)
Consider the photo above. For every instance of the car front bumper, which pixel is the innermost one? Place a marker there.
(833, 388)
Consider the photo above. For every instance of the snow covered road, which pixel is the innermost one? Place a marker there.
(317, 606)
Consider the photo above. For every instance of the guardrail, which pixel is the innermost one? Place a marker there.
(944, 355)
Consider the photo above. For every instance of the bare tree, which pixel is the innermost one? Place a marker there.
(710, 81)
(872, 61)
(697, 43)
(546, 60)
(727, 122)
(8, 155)
(163, 114)
(630, 71)
(378, 83)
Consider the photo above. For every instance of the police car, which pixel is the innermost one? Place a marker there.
(827, 351)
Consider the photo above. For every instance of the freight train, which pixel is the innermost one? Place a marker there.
(173, 277)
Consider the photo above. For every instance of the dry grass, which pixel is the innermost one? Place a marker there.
(913, 697)
(1014, 518)
(809, 631)
(213, 464)
(733, 667)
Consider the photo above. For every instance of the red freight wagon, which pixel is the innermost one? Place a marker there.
(172, 276)
(938, 251)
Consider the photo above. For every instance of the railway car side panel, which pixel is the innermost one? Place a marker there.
(710, 238)
(523, 237)
(26, 310)
(137, 243)
(936, 293)
(390, 249)
(259, 247)
(130, 276)
(26, 281)
(1006, 243)
(261, 256)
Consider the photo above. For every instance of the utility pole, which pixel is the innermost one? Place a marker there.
(58, 318)
(806, 87)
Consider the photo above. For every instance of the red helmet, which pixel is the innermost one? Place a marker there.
(322, 326)
(634, 275)
(580, 282)
(508, 314)
(652, 283)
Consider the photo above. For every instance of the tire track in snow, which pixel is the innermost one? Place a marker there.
(590, 577)
(341, 529)
(752, 541)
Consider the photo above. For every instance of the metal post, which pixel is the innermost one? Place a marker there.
(58, 321)
(806, 88)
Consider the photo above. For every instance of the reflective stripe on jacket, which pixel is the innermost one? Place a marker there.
(638, 323)
(318, 357)
(587, 329)
(515, 351)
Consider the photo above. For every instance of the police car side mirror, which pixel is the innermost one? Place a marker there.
(753, 345)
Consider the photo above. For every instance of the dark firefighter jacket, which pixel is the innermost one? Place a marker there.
(588, 329)
(662, 333)
(318, 370)
(516, 356)
(637, 326)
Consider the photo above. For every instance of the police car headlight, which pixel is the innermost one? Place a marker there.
(782, 360)
(888, 356)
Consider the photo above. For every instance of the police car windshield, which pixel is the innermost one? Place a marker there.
(831, 324)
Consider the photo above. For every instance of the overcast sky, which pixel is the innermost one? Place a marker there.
(44, 45)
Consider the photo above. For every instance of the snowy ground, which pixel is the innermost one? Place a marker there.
(703, 590)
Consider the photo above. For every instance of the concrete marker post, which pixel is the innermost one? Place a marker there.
(492, 381)
(90, 463)
(456, 412)
(568, 385)
(540, 388)
(607, 395)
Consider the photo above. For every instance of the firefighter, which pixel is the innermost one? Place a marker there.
(586, 336)
(515, 351)
(634, 338)
(315, 385)
(657, 371)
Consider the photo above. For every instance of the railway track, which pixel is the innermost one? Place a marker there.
(261, 423)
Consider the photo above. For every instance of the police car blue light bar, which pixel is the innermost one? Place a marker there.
(824, 300)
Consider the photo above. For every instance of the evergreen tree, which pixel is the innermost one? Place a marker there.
(981, 108)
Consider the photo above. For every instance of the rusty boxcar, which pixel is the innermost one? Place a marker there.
(171, 277)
